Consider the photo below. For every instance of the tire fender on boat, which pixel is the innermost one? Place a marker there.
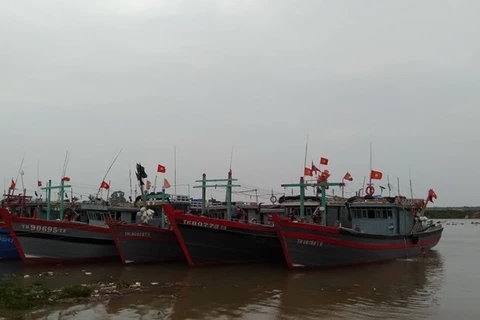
(370, 190)
(273, 199)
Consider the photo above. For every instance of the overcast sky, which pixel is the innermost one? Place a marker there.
(93, 77)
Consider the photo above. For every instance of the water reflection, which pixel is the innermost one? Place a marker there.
(391, 290)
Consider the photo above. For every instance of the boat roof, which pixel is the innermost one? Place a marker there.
(384, 201)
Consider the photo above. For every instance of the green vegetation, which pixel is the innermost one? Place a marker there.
(75, 292)
(15, 296)
(453, 213)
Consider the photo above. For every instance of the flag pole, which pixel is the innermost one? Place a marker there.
(38, 175)
(343, 187)
(175, 172)
(389, 186)
(109, 187)
(155, 183)
(398, 186)
(130, 175)
(363, 186)
(410, 179)
(305, 159)
(370, 174)
(108, 170)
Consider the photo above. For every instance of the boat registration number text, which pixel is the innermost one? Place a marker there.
(46, 229)
(137, 234)
(310, 242)
(6, 239)
(204, 224)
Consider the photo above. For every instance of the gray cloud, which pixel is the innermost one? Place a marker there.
(93, 77)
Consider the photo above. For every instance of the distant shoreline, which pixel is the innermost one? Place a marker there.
(453, 213)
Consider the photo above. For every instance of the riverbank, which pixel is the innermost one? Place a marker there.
(453, 213)
(20, 301)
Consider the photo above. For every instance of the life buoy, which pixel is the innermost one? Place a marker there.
(273, 199)
(370, 190)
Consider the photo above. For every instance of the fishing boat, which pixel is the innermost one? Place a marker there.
(80, 234)
(147, 239)
(232, 236)
(382, 228)
(21, 205)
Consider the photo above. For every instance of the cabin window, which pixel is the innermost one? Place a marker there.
(385, 213)
(390, 214)
(371, 213)
(358, 213)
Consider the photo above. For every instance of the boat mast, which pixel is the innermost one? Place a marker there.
(108, 170)
(49, 189)
(130, 176)
(18, 174)
(389, 186)
(305, 158)
(228, 196)
(370, 173)
(302, 185)
(175, 171)
(410, 180)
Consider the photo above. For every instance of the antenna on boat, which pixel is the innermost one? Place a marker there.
(175, 170)
(305, 159)
(109, 168)
(389, 186)
(410, 179)
(370, 173)
(110, 187)
(363, 185)
(65, 164)
(38, 175)
(231, 160)
(130, 175)
(398, 186)
(19, 172)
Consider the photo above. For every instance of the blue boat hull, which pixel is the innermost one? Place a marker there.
(8, 251)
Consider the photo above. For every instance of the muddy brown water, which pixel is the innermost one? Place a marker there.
(444, 285)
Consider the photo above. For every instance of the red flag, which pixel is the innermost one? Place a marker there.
(166, 184)
(431, 195)
(66, 179)
(161, 169)
(39, 183)
(314, 168)
(12, 185)
(307, 172)
(376, 175)
(104, 185)
(324, 161)
(348, 177)
(324, 176)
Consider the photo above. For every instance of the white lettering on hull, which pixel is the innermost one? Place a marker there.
(43, 229)
(310, 242)
(137, 233)
(204, 224)
(6, 240)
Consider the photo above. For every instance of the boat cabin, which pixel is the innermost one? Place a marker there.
(384, 216)
(336, 211)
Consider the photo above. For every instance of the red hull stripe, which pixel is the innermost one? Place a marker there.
(306, 226)
(171, 215)
(359, 245)
(59, 224)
